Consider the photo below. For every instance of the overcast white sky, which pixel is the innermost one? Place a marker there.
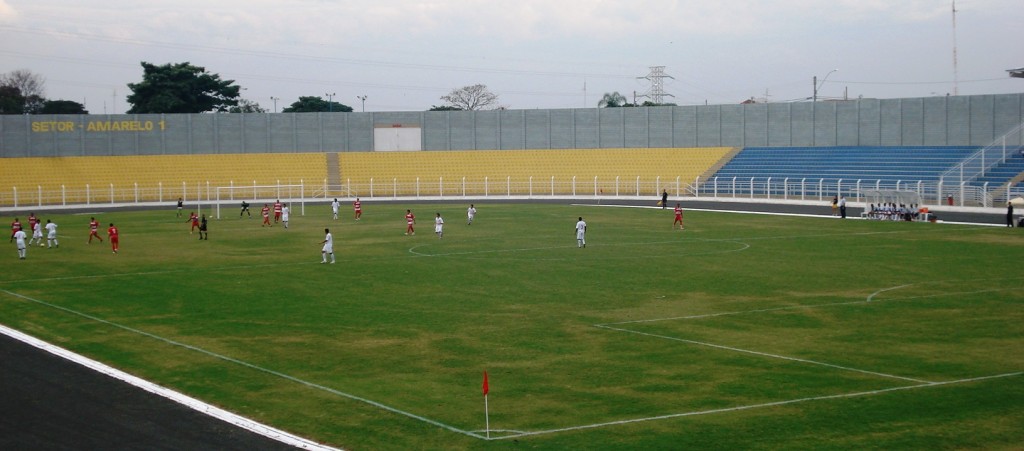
(404, 55)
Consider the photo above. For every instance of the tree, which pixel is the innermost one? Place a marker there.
(11, 100)
(31, 86)
(180, 88)
(247, 106)
(444, 108)
(612, 100)
(312, 104)
(62, 107)
(471, 98)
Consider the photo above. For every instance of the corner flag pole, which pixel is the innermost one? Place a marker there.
(487, 415)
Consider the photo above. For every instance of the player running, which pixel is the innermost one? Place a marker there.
(439, 226)
(51, 234)
(94, 226)
(277, 211)
(112, 235)
(470, 214)
(581, 233)
(328, 248)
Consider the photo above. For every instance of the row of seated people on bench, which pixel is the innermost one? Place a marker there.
(893, 212)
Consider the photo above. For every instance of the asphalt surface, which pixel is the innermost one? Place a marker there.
(49, 403)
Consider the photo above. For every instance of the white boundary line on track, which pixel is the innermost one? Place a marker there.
(180, 398)
(238, 362)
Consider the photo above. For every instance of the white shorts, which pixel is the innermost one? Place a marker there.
(437, 228)
(328, 249)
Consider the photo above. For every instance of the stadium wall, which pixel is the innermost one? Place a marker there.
(930, 121)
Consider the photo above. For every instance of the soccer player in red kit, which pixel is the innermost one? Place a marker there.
(112, 234)
(94, 225)
(266, 216)
(15, 227)
(358, 206)
(32, 220)
(194, 219)
(679, 217)
(277, 211)
(410, 220)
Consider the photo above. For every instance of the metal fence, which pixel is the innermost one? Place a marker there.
(760, 188)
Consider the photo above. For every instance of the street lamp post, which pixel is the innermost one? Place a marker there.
(275, 99)
(363, 98)
(818, 86)
(330, 102)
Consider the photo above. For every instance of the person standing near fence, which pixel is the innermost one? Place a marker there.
(245, 210)
(664, 199)
(842, 207)
(1009, 214)
(181, 205)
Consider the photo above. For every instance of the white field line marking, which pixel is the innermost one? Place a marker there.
(870, 299)
(743, 247)
(245, 364)
(187, 401)
(762, 405)
(764, 354)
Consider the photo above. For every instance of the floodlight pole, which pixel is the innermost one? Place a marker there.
(818, 86)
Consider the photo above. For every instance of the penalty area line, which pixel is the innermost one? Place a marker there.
(761, 405)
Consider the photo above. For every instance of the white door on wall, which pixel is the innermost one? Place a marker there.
(396, 137)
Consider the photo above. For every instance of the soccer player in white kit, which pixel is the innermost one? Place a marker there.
(51, 235)
(37, 234)
(328, 248)
(284, 215)
(470, 214)
(581, 232)
(19, 238)
(439, 226)
(334, 207)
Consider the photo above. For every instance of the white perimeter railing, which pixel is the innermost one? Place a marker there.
(760, 188)
(987, 157)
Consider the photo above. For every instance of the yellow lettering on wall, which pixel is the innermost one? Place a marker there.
(96, 126)
(52, 126)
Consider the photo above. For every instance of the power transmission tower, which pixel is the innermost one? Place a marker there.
(657, 78)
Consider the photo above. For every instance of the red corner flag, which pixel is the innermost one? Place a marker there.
(487, 388)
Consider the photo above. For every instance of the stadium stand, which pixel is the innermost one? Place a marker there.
(158, 177)
(511, 170)
(847, 163)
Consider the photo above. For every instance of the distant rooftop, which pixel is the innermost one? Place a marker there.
(1016, 73)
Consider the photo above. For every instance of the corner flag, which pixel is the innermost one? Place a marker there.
(487, 414)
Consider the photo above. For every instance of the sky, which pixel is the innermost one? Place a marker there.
(404, 55)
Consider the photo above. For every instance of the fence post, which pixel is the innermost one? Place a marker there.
(16, 196)
(595, 186)
(552, 186)
(159, 191)
(486, 187)
(63, 195)
(40, 197)
(508, 186)
(574, 186)
(463, 186)
(87, 196)
(767, 188)
(111, 194)
(440, 186)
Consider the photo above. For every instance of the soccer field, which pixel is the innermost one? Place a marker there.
(739, 332)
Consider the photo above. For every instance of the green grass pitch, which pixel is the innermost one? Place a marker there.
(740, 332)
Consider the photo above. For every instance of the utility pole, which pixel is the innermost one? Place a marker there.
(956, 73)
(275, 99)
(657, 78)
